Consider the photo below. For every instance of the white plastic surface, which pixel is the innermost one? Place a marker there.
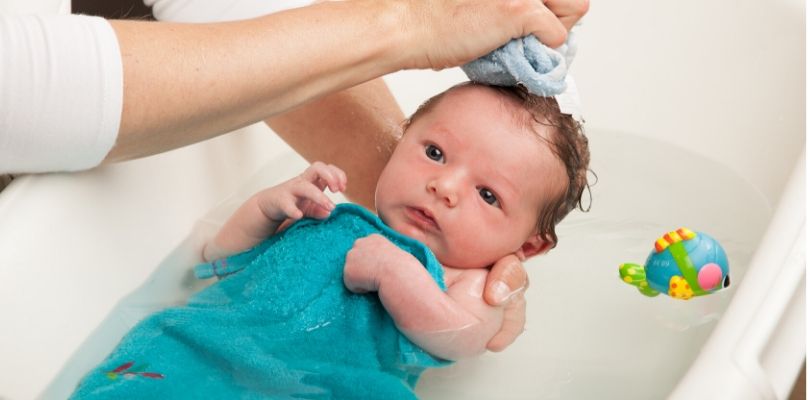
(72, 246)
(760, 342)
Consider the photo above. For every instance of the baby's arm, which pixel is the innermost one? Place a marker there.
(263, 214)
(450, 325)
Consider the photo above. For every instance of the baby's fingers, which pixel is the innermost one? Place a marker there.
(314, 195)
(291, 209)
(326, 175)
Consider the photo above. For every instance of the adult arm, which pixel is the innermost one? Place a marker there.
(361, 123)
(361, 126)
(187, 82)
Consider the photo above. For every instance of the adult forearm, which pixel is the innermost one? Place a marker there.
(184, 83)
(360, 125)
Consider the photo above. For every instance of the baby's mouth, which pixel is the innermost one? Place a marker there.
(422, 217)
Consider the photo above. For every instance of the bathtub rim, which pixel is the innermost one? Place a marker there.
(755, 340)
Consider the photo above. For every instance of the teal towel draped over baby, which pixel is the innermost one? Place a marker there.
(279, 324)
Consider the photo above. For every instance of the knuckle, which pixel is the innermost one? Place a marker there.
(516, 7)
(515, 274)
(582, 7)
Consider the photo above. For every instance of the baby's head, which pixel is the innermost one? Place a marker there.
(482, 172)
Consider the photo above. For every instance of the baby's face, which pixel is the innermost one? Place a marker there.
(468, 179)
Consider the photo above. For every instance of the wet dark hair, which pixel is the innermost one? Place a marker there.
(566, 140)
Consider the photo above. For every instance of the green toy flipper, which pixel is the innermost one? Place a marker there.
(635, 275)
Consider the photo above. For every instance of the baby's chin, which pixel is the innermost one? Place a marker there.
(460, 261)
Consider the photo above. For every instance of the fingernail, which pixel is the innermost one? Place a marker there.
(500, 292)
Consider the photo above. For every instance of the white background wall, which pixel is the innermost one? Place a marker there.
(723, 77)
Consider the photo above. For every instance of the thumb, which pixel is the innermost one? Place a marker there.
(506, 279)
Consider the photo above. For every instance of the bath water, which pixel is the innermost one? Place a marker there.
(588, 334)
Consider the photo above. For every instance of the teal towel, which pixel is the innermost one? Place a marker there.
(279, 324)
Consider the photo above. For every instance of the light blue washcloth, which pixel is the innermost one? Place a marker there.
(280, 324)
(528, 62)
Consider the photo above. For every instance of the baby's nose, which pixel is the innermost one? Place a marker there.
(445, 189)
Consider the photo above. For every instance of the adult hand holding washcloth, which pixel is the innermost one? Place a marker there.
(527, 62)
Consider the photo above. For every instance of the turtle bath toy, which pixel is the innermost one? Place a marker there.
(683, 264)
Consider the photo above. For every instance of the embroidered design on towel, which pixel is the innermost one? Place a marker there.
(129, 372)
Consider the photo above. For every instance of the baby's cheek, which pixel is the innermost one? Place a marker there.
(468, 252)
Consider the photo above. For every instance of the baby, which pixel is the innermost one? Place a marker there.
(343, 304)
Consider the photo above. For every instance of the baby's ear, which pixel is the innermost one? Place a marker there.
(533, 246)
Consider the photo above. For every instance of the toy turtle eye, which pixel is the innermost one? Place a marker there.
(727, 281)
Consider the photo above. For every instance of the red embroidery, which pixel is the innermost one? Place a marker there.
(125, 371)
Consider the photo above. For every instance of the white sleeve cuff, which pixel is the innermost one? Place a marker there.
(62, 97)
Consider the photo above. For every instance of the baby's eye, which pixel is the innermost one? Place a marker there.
(489, 197)
(434, 153)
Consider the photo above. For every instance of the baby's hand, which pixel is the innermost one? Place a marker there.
(303, 195)
(367, 261)
(264, 213)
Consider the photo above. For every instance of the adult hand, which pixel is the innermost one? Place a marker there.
(568, 11)
(459, 31)
(506, 283)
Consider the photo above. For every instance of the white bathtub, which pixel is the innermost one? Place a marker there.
(695, 111)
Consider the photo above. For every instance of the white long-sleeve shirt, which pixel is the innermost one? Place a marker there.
(61, 81)
(61, 92)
